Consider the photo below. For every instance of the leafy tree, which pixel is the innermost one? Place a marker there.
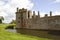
(1, 19)
(13, 22)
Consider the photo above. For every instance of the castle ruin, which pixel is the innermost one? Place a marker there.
(28, 22)
(25, 19)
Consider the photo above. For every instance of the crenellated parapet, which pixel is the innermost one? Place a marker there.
(46, 15)
(21, 10)
(28, 13)
(36, 16)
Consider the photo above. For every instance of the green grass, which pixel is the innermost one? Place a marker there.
(5, 35)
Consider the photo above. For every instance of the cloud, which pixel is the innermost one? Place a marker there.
(56, 13)
(8, 8)
(56, 1)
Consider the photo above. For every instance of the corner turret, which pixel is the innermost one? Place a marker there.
(34, 14)
(50, 13)
(29, 14)
(17, 9)
(38, 14)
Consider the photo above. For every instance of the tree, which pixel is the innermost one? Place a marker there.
(1, 19)
(13, 22)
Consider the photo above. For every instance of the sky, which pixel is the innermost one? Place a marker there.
(8, 7)
(45, 6)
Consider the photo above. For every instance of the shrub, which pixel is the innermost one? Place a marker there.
(11, 26)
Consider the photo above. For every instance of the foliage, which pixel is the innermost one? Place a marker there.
(11, 26)
(1, 19)
(13, 22)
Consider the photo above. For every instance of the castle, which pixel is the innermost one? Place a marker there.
(24, 19)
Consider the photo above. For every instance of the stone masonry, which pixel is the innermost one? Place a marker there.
(25, 19)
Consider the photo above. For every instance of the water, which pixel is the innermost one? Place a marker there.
(11, 30)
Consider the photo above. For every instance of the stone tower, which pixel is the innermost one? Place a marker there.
(29, 14)
(50, 13)
(21, 17)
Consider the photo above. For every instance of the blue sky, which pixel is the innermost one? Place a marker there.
(8, 7)
(46, 5)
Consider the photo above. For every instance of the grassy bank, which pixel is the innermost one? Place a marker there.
(4, 35)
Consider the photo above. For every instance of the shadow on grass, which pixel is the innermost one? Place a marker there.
(50, 34)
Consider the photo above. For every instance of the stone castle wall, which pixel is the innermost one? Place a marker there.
(37, 22)
(49, 23)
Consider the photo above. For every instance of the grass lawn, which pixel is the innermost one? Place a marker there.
(4, 35)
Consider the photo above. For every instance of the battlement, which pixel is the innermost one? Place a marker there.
(29, 13)
(21, 10)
